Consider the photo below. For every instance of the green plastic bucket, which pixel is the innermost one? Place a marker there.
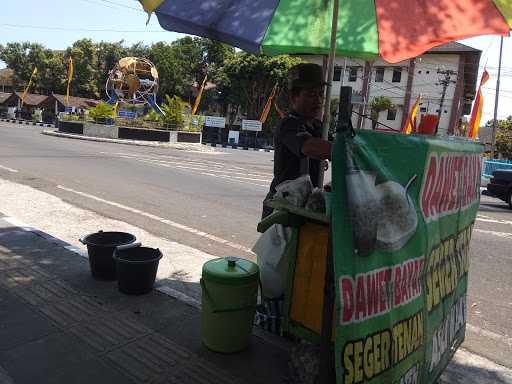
(229, 296)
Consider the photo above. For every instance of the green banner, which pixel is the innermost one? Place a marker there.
(403, 212)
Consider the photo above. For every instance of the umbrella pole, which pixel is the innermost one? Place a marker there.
(330, 76)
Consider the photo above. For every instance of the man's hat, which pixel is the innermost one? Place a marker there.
(305, 75)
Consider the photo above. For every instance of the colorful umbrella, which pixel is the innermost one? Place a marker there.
(393, 29)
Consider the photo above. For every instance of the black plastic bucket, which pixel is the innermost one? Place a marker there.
(100, 247)
(136, 268)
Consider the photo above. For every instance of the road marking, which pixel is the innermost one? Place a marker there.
(489, 334)
(487, 219)
(9, 169)
(202, 172)
(171, 223)
(494, 233)
(227, 178)
(185, 161)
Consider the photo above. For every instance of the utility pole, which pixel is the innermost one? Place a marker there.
(344, 71)
(496, 100)
(366, 100)
(445, 82)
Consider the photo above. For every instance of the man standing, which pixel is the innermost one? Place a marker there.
(299, 147)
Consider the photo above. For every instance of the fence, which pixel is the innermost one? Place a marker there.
(492, 165)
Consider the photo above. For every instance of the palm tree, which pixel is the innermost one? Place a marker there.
(378, 105)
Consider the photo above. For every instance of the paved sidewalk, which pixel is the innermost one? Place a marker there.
(58, 325)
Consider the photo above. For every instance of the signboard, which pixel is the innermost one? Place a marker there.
(251, 125)
(403, 213)
(233, 137)
(126, 114)
(215, 121)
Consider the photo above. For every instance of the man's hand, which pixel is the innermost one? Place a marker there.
(317, 148)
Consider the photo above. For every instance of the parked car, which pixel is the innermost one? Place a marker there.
(500, 186)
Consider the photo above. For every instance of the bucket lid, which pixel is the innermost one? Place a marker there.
(230, 271)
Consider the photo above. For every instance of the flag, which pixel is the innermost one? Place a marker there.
(199, 95)
(34, 72)
(476, 113)
(150, 6)
(70, 77)
(268, 105)
(410, 123)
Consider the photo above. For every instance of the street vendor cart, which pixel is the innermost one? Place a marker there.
(385, 274)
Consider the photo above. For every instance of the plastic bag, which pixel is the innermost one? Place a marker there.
(316, 201)
(271, 252)
(296, 191)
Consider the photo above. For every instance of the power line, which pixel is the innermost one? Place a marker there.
(79, 29)
(375, 121)
(118, 7)
(123, 5)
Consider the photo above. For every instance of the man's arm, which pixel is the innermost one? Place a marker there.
(317, 148)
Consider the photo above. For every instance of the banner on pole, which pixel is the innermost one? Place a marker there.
(403, 212)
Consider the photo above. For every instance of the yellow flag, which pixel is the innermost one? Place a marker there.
(34, 72)
(410, 123)
(199, 95)
(268, 106)
(150, 6)
(476, 113)
(70, 77)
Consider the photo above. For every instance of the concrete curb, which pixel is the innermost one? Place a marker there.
(184, 146)
(214, 145)
(27, 122)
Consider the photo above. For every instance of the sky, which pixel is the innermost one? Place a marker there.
(58, 23)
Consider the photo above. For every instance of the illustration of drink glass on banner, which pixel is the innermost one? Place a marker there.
(404, 209)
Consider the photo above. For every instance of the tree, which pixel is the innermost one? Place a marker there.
(138, 50)
(85, 62)
(164, 58)
(247, 80)
(22, 58)
(378, 105)
(107, 54)
(503, 136)
(54, 77)
(213, 52)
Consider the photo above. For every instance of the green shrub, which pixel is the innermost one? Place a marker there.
(153, 116)
(173, 112)
(188, 123)
(102, 111)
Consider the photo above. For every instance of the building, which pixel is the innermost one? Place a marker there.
(57, 103)
(451, 68)
(7, 100)
(6, 80)
(50, 106)
(30, 104)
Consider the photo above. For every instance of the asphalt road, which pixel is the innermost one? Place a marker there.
(218, 193)
(212, 202)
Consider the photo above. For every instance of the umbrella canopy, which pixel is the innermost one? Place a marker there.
(393, 29)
